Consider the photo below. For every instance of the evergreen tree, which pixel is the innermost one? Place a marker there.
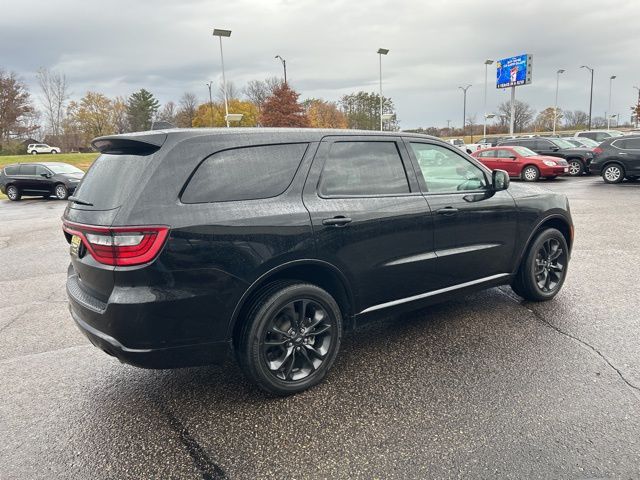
(141, 108)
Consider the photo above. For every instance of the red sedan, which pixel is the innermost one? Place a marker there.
(522, 163)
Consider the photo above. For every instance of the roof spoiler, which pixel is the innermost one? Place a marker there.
(144, 143)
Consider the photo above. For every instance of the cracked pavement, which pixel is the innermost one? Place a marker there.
(485, 386)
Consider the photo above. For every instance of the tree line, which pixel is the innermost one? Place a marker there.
(54, 118)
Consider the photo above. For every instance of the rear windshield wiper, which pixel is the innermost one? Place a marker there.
(80, 201)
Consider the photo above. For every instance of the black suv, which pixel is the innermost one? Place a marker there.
(39, 179)
(186, 244)
(617, 158)
(577, 158)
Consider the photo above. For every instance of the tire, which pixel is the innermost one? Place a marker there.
(33, 152)
(530, 173)
(295, 359)
(543, 268)
(13, 193)
(61, 192)
(53, 152)
(576, 167)
(613, 173)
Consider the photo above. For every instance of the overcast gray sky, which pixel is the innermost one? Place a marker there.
(165, 46)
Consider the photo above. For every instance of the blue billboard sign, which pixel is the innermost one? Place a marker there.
(513, 71)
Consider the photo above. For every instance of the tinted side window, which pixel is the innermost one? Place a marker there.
(40, 170)
(633, 143)
(446, 171)
(27, 169)
(246, 173)
(12, 170)
(363, 168)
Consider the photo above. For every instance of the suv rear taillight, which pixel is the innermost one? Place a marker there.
(119, 246)
(597, 151)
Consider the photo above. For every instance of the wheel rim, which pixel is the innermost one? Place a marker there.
(550, 264)
(530, 174)
(612, 173)
(297, 340)
(574, 168)
(12, 193)
(61, 192)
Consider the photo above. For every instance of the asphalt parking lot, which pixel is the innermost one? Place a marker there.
(486, 386)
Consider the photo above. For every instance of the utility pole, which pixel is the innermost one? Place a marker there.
(486, 66)
(464, 109)
(555, 105)
(590, 94)
(210, 101)
(611, 78)
(381, 51)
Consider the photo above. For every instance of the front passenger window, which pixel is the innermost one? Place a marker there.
(446, 171)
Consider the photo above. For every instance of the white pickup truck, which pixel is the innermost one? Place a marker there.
(466, 147)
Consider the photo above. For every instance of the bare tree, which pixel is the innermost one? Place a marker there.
(54, 98)
(232, 92)
(120, 119)
(523, 114)
(187, 107)
(257, 91)
(168, 113)
(575, 119)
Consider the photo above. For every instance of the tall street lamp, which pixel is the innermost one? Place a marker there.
(555, 105)
(590, 94)
(210, 100)
(638, 105)
(217, 32)
(486, 66)
(381, 51)
(611, 78)
(464, 109)
(284, 66)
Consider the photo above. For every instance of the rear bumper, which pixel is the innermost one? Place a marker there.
(108, 327)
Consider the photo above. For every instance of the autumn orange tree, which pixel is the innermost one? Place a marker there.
(282, 109)
(323, 114)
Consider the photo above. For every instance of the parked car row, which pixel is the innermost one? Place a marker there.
(531, 158)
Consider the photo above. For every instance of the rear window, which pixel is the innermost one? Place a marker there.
(111, 179)
(11, 170)
(247, 173)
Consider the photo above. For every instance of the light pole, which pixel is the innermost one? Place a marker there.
(381, 51)
(555, 105)
(486, 66)
(590, 94)
(210, 100)
(611, 78)
(638, 106)
(217, 32)
(284, 66)
(464, 109)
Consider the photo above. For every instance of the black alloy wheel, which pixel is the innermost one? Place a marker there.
(290, 337)
(550, 265)
(544, 267)
(297, 340)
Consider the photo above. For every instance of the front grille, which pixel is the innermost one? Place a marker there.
(82, 297)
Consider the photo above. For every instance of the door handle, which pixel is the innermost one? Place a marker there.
(338, 221)
(447, 211)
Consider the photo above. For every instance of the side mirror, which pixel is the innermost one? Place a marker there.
(500, 180)
(555, 149)
(513, 157)
(45, 175)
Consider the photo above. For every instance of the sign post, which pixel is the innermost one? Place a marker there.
(513, 72)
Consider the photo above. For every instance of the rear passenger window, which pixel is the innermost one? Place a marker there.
(247, 173)
(27, 169)
(633, 143)
(363, 168)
